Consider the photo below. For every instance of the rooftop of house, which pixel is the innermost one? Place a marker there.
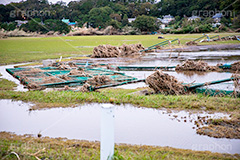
(167, 16)
(217, 15)
(65, 20)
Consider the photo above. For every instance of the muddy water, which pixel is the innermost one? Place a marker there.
(132, 125)
(173, 59)
(185, 77)
(165, 59)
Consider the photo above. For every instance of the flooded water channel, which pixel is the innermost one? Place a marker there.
(165, 59)
(133, 125)
(174, 58)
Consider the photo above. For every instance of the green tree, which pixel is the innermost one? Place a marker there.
(115, 24)
(125, 20)
(34, 25)
(236, 22)
(145, 23)
(8, 26)
(56, 25)
(100, 16)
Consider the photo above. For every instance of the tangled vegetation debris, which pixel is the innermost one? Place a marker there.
(107, 51)
(79, 73)
(99, 80)
(29, 71)
(236, 66)
(190, 43)
(195, 66)
(163, 83)
(84, 88)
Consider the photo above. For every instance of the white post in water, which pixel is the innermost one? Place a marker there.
(107, 132)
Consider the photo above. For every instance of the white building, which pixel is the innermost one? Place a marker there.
(20, 22)
(194, 18)
(167, 19)
(130, 20)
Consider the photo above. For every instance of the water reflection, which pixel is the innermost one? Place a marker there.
(133, 125)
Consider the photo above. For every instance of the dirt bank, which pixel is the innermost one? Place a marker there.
(221, 128)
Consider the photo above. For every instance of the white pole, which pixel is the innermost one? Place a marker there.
(107, 132)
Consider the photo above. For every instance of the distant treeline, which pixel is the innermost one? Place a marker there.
(115, 12)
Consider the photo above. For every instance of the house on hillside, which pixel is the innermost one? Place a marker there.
(20, 22)
(194, 18)
(166, 19)
(67, 21)
(217, 17)
(130, 20)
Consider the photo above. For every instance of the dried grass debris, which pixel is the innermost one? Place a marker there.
(99, 80)
(63, 67)
(51, 79)
(108, 51)
(34, 86)
(195, 66)
(76, 72)
(191, 43)
(84, 88)
(29, 71)
(236, 66)
(65, 77)
(166, 84)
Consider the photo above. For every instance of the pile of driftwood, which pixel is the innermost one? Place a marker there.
(107, 51)
(195, 66)
(163, 83)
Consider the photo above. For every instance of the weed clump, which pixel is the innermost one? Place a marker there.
(163, 83)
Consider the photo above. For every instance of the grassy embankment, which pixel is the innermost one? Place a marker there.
(49, 148)
(25, 49)
(121, 96)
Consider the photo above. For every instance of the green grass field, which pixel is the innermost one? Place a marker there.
(25, 49)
